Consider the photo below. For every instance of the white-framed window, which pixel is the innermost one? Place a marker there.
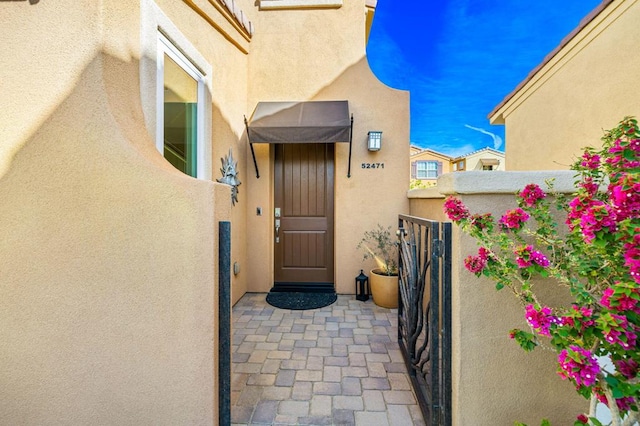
(426, 170)
(180, 109)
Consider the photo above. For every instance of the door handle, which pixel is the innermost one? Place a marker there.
(277, 230)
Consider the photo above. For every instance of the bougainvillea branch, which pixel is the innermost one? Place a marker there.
(595, 252)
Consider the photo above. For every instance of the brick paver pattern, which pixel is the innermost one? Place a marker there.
(338, 365)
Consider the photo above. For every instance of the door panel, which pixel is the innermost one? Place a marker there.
(304, 194)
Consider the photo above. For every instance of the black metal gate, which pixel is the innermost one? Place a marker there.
(424, 313)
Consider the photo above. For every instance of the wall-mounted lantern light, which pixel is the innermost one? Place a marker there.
(374, 140)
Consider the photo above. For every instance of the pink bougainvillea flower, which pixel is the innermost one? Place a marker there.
(579, 365)
(539, 258)
(612, 336)
(584, 310)
(591, 216)
(595, 218)
(540, 319)
(514, 219)
(582, 418)
(531, 194)
(526, 256)
(566, 321)
(621, 301)
(606, 297)
(577, 206)
(617, 147)
(625, 197)
(582, 316)
(624, 404)
(484, 253)
(623, 155)
(455, 209)
(632, 256)
(600, 395)
(620, 332)
(627, 367)
(522, 262)
(475, 264)
(617, 330)
(590, 161)
(589, 186)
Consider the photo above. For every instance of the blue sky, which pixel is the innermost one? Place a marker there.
(460, 58)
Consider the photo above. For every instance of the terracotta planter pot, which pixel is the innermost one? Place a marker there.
(384, 289)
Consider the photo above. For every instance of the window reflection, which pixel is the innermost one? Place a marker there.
(180, 117)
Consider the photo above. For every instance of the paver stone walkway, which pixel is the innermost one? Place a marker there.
(338, 365)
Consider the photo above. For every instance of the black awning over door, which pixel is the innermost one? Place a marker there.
(300, 122)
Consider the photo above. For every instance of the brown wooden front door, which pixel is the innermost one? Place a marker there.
(304, 196)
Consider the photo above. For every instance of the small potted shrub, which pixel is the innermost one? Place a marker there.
(381, 245)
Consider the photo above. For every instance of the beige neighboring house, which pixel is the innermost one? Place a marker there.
(414, 149)
(584, 86)
(114, 118)
(486, 159)
(427, 165)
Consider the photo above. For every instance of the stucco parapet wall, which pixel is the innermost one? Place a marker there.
(431, 192)
(298, 4)
(503, 182)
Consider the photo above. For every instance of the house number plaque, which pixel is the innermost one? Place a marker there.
(373, 165)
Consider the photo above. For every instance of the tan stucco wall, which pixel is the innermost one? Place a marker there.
(589, 86)
(108, 287)
(494, 381)
(426, 203)
(228, 85)
(108, 279)
(330, 65)
(109, 255)
(370, 196)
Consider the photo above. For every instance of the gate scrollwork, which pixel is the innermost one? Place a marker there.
(424, 313)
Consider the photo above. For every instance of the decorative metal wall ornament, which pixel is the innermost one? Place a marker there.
(229, 172)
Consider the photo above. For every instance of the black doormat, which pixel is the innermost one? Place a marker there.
(300, 301)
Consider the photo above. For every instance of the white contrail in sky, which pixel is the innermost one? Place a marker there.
(497, 140)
